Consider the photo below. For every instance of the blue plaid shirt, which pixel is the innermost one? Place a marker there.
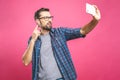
(59, 37)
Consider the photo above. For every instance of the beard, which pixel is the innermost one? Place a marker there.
(48, 27)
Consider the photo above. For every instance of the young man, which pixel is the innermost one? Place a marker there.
(48, 49)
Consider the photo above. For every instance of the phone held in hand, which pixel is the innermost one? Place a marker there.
(90, 9)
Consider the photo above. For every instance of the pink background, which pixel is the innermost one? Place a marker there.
(96, 57)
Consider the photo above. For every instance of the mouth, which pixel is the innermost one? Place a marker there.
(49, 24)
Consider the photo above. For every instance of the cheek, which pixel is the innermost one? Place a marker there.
(43, 23)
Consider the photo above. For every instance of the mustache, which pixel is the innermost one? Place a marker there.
(49, 23)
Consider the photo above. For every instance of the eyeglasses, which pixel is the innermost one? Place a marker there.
(46, 17)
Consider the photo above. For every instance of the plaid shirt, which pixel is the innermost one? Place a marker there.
(59, 37)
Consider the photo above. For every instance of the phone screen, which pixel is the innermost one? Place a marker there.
(90, 9)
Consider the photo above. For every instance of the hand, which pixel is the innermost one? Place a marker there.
(97, 14)
(36, 33)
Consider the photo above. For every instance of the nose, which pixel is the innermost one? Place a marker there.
(50, 20)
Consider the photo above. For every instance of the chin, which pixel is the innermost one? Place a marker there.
(48, 28)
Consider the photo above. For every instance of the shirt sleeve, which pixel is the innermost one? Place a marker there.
(72, 33)
(29, 40)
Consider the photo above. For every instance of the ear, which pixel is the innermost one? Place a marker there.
(37, 21)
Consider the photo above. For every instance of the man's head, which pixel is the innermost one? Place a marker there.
(43, 18)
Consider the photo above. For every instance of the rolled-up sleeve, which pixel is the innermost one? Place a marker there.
(29, 40)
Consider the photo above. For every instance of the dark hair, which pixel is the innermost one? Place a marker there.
(36, 15)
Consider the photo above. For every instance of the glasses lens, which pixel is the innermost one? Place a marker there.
(46, 17)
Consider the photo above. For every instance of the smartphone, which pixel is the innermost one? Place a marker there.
(90, 9)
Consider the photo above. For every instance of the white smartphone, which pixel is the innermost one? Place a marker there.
(90, 9)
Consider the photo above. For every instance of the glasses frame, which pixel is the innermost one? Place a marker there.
(46, 17)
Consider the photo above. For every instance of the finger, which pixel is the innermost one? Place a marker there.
(38, 33)
(36, 27)
(96, 9)
(95, 6)
(39, 28)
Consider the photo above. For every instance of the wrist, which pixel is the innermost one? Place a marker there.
(95, 20)
(33, 40)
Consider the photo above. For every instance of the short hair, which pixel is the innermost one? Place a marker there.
(36, 15)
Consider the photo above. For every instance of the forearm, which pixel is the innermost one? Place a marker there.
(27, 56)
(89, 27)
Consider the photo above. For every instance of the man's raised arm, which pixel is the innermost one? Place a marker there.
(91, 25)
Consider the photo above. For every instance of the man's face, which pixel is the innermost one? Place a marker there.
(45, 20)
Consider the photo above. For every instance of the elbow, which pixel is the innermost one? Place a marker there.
(83, 32)
(26, 63)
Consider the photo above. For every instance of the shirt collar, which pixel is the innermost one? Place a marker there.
(52, 30)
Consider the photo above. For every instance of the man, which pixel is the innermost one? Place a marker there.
(48, 49)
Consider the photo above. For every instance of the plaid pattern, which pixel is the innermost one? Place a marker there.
(59, 37)
(60, 79)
